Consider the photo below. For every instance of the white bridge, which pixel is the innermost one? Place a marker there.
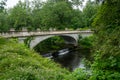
(70, 37)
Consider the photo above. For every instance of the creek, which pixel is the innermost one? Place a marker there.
(69, 58)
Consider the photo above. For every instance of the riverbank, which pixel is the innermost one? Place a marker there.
(19, 63)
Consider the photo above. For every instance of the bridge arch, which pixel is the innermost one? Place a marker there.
(69, 39)
(69, 36)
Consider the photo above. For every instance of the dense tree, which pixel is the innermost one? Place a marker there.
(89, 12)
(55, 15)
(19, 16)
(4, 22)
(2, 5)
(77, 3)
(77, 19)
(37, 4)
(3, 16)
(36, 13)
(107, 51)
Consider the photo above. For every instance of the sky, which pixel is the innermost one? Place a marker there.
(11, 3)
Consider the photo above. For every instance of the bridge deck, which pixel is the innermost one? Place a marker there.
(41, 33)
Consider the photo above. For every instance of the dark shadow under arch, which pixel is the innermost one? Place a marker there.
(68, 40)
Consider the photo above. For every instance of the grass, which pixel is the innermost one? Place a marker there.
(17, 62)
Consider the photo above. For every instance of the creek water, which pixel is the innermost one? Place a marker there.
(68, 59)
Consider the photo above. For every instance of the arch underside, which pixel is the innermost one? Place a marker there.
(69, 39)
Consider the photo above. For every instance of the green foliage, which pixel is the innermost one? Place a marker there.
(27, 41)
(2, 5)
(77, 19)
(78, 74)
(4, 22)
(106, 68)
(19, 63)
(2, 41)
(77, 3)
(89, 13)
(107, 28)
(56, 16)
(86, 46)
(86, 42)
(59, 14)
(20, 17)
(107, 51)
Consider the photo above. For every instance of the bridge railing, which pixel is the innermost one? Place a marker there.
(38, 30)
(25, 32)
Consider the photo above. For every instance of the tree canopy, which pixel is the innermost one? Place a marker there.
(107, 47)
(59, 14)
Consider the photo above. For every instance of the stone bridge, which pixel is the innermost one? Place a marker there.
(70, 37)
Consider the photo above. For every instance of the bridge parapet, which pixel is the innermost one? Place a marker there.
(40, 33)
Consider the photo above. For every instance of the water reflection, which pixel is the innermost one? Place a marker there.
(69, 59)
